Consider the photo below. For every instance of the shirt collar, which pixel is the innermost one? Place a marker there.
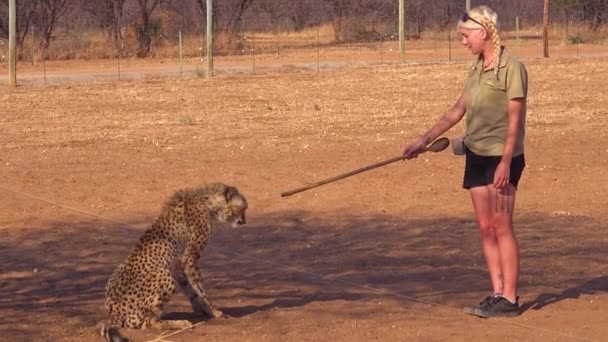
(504, 57)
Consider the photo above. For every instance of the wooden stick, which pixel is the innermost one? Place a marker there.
(438, 145)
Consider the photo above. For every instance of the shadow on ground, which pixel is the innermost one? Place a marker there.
(290, 259)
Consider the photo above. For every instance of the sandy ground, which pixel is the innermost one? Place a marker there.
(392, 254)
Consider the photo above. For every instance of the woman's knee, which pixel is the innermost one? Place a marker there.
(503, 225)
(486, 228)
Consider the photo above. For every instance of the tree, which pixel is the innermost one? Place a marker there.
(144, 32)
(228, 15)
(301, 13)
(235, 15)
(596, 12)
(338, 11)
(109, 14)
(47, 14)
(26, 11)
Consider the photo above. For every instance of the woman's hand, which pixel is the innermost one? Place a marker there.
(502, 175)
(414, 149)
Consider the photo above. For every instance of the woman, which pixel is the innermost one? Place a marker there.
(494, 100)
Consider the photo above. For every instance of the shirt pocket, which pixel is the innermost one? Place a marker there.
(495, 84)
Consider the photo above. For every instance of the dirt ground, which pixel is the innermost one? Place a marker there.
(391, 254)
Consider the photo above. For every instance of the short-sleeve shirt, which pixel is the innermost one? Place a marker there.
(487, 98)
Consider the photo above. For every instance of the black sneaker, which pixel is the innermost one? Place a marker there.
(483, 305)
(498, 307)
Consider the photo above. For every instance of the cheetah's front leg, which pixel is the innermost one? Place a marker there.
(189, 279)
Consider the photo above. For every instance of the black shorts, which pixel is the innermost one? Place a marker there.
(479, 170)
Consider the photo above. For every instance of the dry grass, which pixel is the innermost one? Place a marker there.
(94, 45)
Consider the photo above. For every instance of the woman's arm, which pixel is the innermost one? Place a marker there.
(516, 107)
(503, 170)
(447, 121)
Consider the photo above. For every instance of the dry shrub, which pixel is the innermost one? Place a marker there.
(96, 45)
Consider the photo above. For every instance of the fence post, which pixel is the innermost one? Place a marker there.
(449, 35)
(381, 52)
(33, 43)
(181, 56)
(517, 36)
(318, 51)
(12, 43)
(209, 38)
(253, 49)
(545, 29)
(402, 31)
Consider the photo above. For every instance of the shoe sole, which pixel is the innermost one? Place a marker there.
(469, 310)
(485, 314)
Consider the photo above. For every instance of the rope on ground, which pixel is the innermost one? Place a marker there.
(294, 269)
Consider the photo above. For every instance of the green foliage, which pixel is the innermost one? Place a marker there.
(565, 4)
(574, 40)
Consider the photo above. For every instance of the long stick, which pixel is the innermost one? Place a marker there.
(438, 145)
(344, 175)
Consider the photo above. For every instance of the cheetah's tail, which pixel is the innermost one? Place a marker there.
(110, 332)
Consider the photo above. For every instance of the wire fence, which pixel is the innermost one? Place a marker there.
(85, 57)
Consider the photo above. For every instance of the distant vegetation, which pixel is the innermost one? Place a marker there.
(134, 28)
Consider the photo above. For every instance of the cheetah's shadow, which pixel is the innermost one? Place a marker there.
(242, 311)
(592, 286)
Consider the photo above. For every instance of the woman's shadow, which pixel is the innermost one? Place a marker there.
(592, 286)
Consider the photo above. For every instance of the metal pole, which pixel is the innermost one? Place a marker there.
(44, 55)
(402, 31)
(253, 49)
(181, 56)
(578, 41)
(468, 5)
(381, 52)
(119, 52)
(545, 29)
(209, 38)
(33, 43)
(449, 35)
(517, 35)
(12, 43)
(318, 51)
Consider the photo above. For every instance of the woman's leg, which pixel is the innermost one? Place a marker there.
(503, 203)
(483, 205)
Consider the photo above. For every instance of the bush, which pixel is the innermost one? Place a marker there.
(574, 40)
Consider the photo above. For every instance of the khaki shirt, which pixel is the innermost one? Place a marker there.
(487, 98)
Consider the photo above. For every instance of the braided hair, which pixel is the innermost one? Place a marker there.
(488, 19)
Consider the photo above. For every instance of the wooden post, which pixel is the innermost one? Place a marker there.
(546, 29)
(181, 55)
(33, 43)
(253, 49)
(517, 35)
(209, 38)
(12, 43)
(449, 35)
(402, 31)
(318, 51)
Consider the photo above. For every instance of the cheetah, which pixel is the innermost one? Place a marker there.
(166, 255)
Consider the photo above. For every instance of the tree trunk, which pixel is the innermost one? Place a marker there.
(144, 33)
(236, 19)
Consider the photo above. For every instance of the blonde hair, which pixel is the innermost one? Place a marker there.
(488, 19)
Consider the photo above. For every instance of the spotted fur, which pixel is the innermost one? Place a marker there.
(167, 255)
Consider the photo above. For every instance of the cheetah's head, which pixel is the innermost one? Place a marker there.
(228, 205)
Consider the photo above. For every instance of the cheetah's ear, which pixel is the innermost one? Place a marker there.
(229, 193)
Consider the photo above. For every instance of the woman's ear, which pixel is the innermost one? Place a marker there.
(484, 34)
